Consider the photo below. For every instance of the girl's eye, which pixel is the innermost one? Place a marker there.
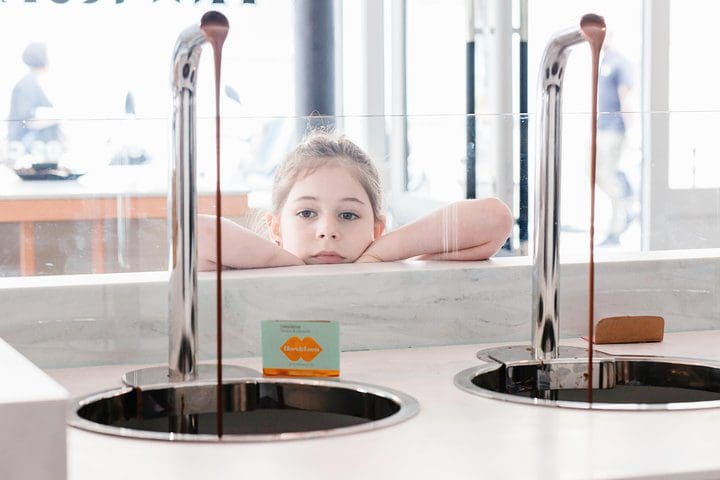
(306, 213)
(349, 216)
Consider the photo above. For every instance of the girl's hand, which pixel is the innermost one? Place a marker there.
(369, 258)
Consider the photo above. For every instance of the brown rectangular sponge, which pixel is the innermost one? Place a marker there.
(630, 329)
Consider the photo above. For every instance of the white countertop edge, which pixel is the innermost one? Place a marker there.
(23, 382)
(10, 283)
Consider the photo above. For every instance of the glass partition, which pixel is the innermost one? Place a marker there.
(89, 196)
(104, 109)
(112, 217)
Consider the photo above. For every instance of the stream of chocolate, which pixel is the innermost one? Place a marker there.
(593, 28)
(215, 27)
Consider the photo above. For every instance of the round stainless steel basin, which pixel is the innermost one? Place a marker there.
(619, 382)
(255, 409)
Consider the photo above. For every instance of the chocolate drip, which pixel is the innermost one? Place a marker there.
(215, 27)
(593, 28)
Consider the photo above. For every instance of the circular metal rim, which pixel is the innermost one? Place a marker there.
(158, 376)
(409, 407)
(463, 380)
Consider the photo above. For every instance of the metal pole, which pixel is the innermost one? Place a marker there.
(315, 64)
(398, 106)
(523, 200)
(501, 98)
(470, 101)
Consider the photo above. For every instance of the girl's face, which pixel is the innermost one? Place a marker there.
(327, 218)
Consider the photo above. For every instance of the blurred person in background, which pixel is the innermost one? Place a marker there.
(614, 84)
(33, 127)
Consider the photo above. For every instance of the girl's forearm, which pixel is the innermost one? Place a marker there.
(480, 252)
(241, 247)
(465, 230)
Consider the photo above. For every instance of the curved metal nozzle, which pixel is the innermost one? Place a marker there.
(182, 200)
(545, 321)
(213, 18)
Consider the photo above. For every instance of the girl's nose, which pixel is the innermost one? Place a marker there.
(328, 229)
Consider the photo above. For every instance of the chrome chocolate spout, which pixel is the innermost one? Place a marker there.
(182, 220)
(545, 321)
(182, 201)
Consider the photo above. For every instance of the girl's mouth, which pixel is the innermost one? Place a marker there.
(328, 257)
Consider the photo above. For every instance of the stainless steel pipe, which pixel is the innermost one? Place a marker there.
(182, 209)
(182, 225)
(546, 237)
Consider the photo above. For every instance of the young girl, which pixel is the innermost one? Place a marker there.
(326, 208)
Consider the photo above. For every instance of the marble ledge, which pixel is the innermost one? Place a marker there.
(86, 320)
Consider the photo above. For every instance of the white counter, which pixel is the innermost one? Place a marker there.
(455, 436)
(32, 409)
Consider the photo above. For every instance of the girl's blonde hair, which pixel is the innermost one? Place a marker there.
(320, 149)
